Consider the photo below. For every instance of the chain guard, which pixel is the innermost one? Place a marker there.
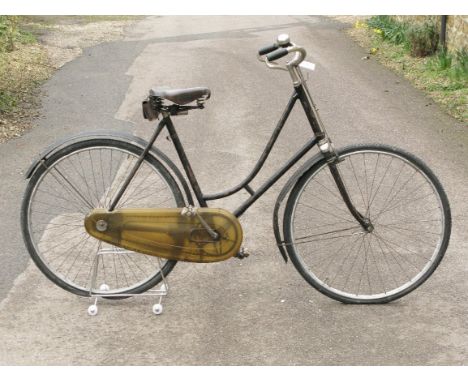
(167, 233)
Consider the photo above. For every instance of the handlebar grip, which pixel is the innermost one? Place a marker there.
(268, 49)
(277, 54)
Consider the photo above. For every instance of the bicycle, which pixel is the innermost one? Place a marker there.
(363, 224)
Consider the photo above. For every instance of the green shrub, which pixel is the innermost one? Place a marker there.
(461, 58)
(11, 34)
(422, 39)
(443, 60)
(451, 65)
(389, 29)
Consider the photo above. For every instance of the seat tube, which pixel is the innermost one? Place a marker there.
(185, 161)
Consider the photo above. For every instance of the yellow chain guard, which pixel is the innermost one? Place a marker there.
(166, 233)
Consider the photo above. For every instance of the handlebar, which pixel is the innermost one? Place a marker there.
(277, 54)
(268, 49)
(282, 48)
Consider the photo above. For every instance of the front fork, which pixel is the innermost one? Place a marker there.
(327, 149)
(325, 145)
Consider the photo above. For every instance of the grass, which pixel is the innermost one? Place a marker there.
(23, 66)
(443, 75)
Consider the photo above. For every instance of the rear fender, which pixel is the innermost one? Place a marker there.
(168, 163)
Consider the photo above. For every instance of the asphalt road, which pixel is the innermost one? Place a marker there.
(259, 310)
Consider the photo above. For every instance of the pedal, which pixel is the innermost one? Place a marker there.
(242, 254)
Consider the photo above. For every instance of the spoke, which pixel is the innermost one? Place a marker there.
(372, 187)
(328, 190)
(399, 205)
(376, 265)
(386, 261)
(354, 262)
(357, 182)
(103, 268)
(365, 176)
(78, 254)
(86, 203)
(61, 234)
(397, 226)
(63, 208)
(102, 179)
(48, 193)
(81, 175)
(364, 265)
(96, 191)
(333, 258)
(74, 202)
(347, 256)
(326, 213)
(333, 205)
(326, 233)
(334, 224)
(69, 241)
(136, 265)
(99, 244)
(394, 196)
(129, 267)
(145, 197)
(393, 185)
(380, 183)
(66, 257)
(410, 237)
(115, 268)
(390, 245)
(323, 239)
(402, 221)
(136, 187)
(124, 176)
(123, 270)
(394, 258)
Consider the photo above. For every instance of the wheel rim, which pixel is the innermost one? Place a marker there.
(355, 264)
(56, 211)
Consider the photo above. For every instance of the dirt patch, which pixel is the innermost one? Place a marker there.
(58, 40)
(21, 73)
(68, 36)
(351, 20)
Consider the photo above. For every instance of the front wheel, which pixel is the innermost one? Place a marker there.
(406, 205)
(65, 188)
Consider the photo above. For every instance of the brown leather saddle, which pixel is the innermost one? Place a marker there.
(181, 96)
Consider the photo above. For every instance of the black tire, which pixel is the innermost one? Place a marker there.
(36, 178)
(321, 285)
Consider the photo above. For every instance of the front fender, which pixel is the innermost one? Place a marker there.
(282, 195)
(168, 163)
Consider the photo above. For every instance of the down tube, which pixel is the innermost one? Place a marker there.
(275, 177)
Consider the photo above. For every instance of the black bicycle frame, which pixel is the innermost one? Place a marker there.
(300, 93)
(254, 195)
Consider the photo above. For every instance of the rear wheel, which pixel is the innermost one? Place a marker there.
(74, 180)
(406, 205)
